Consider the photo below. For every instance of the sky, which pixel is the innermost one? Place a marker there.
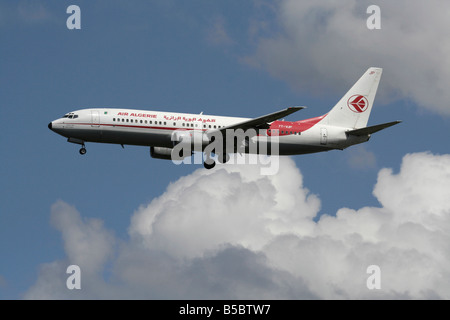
(143, 228)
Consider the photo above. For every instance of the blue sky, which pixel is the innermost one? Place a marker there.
(221, 57)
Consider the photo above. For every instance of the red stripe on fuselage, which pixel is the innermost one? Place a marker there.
(129, 126)
(294, 126)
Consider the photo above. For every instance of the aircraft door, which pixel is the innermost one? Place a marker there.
(323, 135)
(95, 117)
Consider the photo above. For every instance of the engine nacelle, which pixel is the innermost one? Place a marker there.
(164, 153)
(161, 153)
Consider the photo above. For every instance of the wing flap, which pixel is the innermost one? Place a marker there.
(260, 122)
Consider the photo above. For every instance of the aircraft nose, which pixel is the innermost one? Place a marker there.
(50, 126)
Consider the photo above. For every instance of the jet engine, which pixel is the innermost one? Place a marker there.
(166, 153)
(161, 153)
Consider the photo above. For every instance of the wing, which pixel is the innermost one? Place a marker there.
(260, 122)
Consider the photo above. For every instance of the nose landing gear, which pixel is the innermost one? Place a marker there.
(78, 141)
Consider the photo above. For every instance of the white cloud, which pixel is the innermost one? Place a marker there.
(233, 205)
(425, 182)
(232, 233)
(86, 243)
(313, 40)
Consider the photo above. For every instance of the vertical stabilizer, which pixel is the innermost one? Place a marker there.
(353, 110)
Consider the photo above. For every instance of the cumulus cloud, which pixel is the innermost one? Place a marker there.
(87, 244)
(311, 41)
(230, 233)
(234, 205)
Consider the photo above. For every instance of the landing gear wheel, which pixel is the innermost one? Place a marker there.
(209, 163)
(209, 166)
(83, 150)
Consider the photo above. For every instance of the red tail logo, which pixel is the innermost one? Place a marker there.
(358, 103)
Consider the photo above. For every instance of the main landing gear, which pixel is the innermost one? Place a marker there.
(209, 163)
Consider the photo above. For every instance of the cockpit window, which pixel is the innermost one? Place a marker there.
(70, 116)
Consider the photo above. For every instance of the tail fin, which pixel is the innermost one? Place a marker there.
(353, 110)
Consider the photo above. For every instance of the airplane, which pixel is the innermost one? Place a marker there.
(343, 126)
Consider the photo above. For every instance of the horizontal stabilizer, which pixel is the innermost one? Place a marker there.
(372, 129)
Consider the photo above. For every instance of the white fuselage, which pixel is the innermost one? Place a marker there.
(177, 135)
(155, 128)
